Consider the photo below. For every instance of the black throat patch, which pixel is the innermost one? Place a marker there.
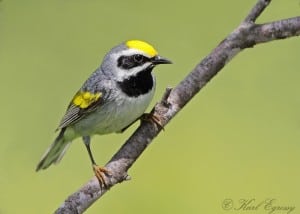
(138, 85)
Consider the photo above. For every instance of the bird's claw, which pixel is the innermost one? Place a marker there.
(150, 117)
(100, 173)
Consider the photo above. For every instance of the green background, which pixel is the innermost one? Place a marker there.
(237, 139)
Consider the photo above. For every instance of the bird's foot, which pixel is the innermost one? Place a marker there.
(100, 173)
(150, 117)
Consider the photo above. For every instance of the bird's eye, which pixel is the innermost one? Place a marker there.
(138, 58)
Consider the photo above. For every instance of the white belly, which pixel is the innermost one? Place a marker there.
(114, 116)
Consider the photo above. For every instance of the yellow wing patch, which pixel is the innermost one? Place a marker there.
(142, 46)
(85, 99)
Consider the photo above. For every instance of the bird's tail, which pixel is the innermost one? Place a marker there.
(55, 152)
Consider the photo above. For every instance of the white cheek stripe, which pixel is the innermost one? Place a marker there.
(125, 74)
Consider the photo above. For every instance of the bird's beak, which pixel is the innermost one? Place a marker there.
(160, 60)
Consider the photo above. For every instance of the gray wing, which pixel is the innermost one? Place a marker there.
(89, 98)
(76, 111)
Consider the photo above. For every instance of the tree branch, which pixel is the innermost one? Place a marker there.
(246, 35)
(257, 10)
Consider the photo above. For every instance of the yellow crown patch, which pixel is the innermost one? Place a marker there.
(142, 46)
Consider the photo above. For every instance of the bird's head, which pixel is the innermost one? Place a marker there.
(130, 58)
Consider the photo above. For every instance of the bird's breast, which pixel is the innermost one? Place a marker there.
(116, 114)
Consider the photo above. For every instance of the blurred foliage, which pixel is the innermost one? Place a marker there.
(239, 138)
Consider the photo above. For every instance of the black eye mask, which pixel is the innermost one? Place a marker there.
(128, 62)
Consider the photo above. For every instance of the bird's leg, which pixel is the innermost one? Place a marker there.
(123, 130)
(100, 172)
(148, 117)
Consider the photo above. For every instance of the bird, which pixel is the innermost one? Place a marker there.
(115, 95)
